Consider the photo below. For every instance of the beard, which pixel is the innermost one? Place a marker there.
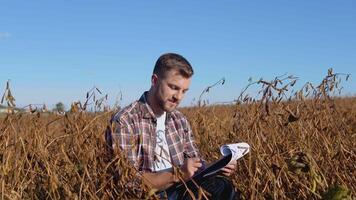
(166, 105)
(169, 106)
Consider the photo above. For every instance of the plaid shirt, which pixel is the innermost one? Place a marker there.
(135, 134)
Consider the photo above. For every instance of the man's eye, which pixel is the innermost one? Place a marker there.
(174, 87)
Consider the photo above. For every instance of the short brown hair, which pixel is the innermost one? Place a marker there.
(173, 61)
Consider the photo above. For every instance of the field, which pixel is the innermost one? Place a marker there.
(303, 147)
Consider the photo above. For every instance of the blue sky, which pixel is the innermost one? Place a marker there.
(57, 50)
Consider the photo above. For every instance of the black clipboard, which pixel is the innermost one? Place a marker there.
(199, 177)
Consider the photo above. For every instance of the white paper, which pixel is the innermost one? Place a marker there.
(238, 150)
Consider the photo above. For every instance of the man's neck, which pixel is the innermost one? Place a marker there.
(151, 101)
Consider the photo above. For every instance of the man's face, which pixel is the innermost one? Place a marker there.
(170, 89)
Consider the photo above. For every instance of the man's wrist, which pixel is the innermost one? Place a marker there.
(175, 175)
(175, 178)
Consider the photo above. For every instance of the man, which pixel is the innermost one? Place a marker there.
(157, 138)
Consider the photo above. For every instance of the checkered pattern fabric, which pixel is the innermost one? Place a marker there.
(135, 134)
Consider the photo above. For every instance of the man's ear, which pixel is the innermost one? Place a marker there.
(154, 79)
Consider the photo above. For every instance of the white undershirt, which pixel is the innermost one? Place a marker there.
(162, 159)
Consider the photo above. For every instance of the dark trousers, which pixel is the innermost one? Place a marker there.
(218, 187)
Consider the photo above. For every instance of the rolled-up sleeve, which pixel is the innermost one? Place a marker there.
(190, 147)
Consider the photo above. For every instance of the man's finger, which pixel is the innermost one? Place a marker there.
(231, 166)
(226, 170)
(194, 163)
(197, 164)
(234, 162)
(226, 174)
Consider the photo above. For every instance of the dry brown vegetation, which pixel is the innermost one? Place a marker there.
(302, 148)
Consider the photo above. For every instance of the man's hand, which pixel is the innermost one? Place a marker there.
(229, 169)
(190, 166)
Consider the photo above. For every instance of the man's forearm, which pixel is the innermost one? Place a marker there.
(159, 180)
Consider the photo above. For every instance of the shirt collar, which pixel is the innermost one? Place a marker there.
(146, 109)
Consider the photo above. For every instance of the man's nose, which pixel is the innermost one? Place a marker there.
(178, 95)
